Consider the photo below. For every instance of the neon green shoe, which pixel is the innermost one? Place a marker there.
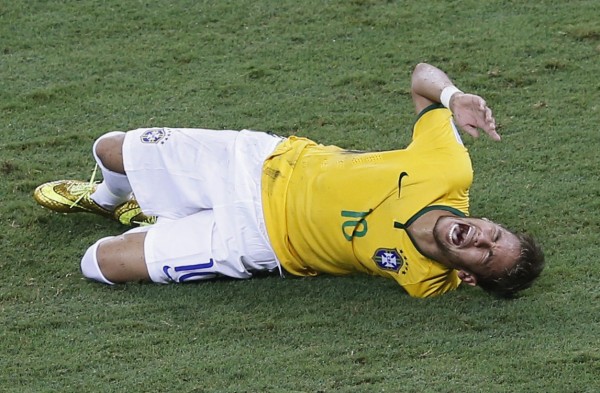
(69, 196)
(129, 213)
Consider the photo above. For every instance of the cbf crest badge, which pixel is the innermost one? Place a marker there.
(388, 259)
(153, 135)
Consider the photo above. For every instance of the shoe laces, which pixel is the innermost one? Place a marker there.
(82, 190)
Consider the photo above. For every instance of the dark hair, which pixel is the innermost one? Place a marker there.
(526, 269)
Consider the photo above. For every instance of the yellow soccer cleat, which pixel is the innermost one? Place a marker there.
(129, 213)
(69, 196)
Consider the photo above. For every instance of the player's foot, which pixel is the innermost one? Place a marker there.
(130, 213)
(69, 196)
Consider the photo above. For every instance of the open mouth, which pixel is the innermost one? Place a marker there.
(459, 233)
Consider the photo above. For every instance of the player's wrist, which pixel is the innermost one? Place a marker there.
(447, 94)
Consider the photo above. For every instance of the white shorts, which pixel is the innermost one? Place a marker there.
(204, 187)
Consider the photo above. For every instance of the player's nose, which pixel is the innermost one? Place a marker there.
(482, 240)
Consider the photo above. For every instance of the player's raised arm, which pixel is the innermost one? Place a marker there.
(431, 85)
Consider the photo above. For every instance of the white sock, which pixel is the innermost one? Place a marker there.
(89, 264)
(115, 189)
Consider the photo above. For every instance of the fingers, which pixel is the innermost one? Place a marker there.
(472, 114)
(471, 130)
(490, 125)
(494, 135)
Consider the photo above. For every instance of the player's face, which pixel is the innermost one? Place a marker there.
(476, 245)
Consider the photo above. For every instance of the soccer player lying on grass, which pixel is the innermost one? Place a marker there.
(230, 203)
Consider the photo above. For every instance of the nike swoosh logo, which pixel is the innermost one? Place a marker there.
(402, 175)
(195, 271)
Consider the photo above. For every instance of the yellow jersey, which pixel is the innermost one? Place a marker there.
(335, 211)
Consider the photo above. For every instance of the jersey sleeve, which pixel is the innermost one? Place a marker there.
(435, 129)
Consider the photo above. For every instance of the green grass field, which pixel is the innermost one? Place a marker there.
(336, 71)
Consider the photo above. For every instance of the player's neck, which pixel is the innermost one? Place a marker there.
(422, 233)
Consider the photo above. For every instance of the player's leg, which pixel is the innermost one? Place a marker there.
(170, 251)
(115, 188)
(227, 239)
(175, 251)
(116, 259)
(121, 259)
(115, 191)
(178, 172)
(108, 151)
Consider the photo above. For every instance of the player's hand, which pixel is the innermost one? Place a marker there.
(471, 113)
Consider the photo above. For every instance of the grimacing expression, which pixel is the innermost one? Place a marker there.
(476, 245)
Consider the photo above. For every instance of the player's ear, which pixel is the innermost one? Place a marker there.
(467, 278)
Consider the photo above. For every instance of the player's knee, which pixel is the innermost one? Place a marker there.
(108, 151)
(90, 266)
(121, 258)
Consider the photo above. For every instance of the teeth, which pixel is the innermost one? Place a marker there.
(453, 235)
(466, 236)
